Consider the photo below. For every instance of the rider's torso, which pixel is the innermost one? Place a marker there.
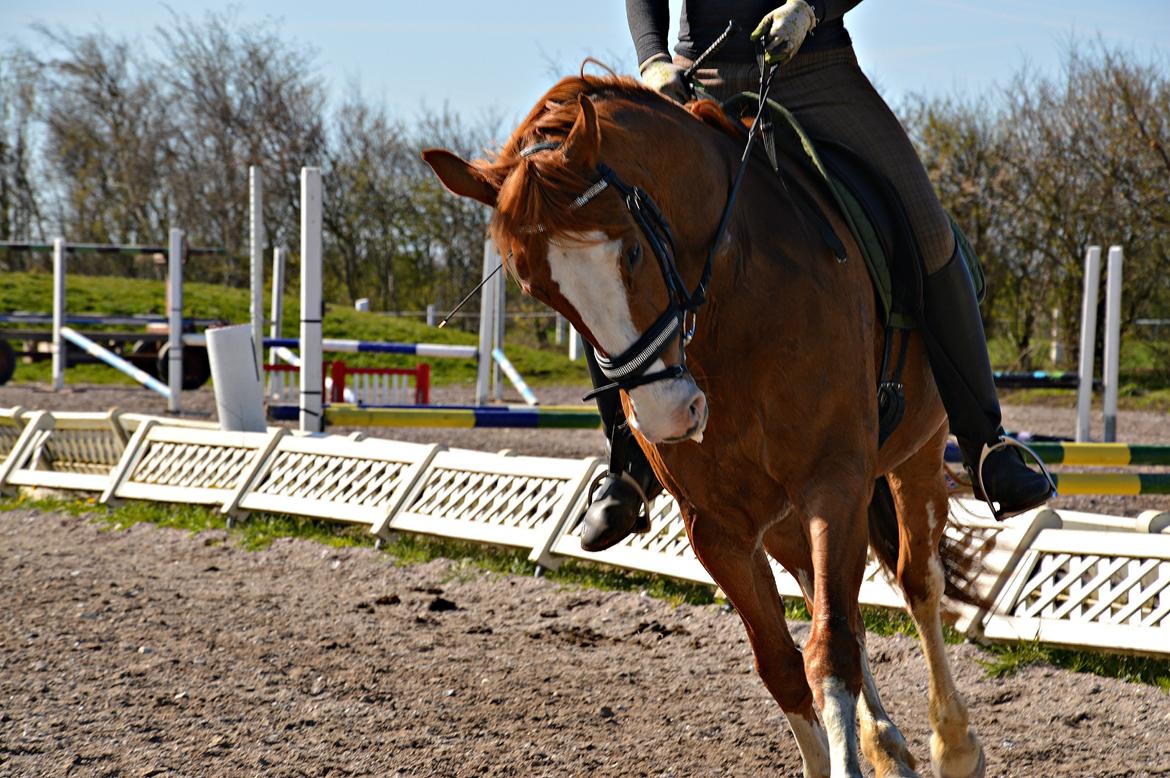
(703, 20)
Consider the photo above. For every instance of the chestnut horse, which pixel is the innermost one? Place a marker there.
(768, 438)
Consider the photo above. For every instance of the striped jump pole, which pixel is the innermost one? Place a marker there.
(464, 417)
(426, 350)
(1099, 455)
(114, 361)
(514, 376)
(1102, 454)
(1112, 483)
(1089, 454)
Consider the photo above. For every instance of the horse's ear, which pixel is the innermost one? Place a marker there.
(583, 146)
(460, 176)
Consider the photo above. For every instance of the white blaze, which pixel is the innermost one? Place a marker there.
(588, 275)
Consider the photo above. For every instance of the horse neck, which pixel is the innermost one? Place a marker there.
(765, 233)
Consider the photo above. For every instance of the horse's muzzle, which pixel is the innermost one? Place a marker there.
(670, 411)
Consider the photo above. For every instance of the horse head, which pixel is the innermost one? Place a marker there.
(560, 189)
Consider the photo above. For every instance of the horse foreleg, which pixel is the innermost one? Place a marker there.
(740, 567)
(881, 741)
(836, 508)
(921, 501)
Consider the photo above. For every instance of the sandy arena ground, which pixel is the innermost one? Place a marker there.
(151, 652)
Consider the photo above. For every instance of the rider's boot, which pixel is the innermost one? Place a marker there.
(622, 497)
(962, 370)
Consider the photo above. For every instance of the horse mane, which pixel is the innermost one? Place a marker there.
(536, 192)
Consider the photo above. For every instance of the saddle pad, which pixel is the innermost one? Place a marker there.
(872, 209)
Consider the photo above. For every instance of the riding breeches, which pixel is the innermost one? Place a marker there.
(833, 100)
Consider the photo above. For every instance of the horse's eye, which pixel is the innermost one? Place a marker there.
(633, 257)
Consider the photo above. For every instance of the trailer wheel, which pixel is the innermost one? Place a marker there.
(7, 361)
(196, 366)
(144, 356)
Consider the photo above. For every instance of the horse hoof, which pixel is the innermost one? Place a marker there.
(979, 770)
(966, 762)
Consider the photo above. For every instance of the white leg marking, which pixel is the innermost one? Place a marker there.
(881, 740)
(954, 749)
(839, 714)
(814, 745)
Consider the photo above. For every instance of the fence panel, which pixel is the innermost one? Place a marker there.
(508, 500)
(69, 451)
(1089, 589)
(179, 464)
(336, 478)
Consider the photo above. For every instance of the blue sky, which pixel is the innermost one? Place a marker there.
(475, 54)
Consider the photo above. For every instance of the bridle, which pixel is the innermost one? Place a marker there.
(630, 369)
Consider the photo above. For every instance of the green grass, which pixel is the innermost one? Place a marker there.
(471, 560)
(32, 292)
(1006, 659)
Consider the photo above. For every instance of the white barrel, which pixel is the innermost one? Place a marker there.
(239, 388)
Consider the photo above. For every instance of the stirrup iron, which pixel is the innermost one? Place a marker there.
(1006, 441)
(642, 523)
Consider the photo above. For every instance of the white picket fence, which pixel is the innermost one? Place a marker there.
(1071, 579)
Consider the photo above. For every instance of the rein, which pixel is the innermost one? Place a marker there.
(628, 370)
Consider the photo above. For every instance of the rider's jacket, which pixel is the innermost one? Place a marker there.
(703, 20)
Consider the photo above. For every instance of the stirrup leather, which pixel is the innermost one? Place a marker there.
(642, 523)
(1006, 441)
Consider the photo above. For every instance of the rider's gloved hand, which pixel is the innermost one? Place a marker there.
(665, 77)
(784, 29)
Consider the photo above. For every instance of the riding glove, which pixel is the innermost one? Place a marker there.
(666, 78)
(784, 29)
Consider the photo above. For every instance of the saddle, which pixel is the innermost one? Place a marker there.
(871, 207)
(877, 219)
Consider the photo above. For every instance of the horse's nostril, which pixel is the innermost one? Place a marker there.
(698, 408)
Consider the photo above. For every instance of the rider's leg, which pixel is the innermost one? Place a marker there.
(958, 358)
(833, 99)
(617, 508)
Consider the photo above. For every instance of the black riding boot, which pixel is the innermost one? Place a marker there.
(962, 370)
(619, 501)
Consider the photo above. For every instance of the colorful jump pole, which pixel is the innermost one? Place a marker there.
(346, 346)
(1102, 454)
(463, 417)
(1112, 483)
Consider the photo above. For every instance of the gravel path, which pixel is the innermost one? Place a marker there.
(152, 652)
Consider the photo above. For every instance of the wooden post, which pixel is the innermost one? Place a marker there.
(59, 346)
(1112, 354)
(1088, 343)
(278, 261)
(487, 297)
(256, 223)
(312, 417)
(176, 247)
